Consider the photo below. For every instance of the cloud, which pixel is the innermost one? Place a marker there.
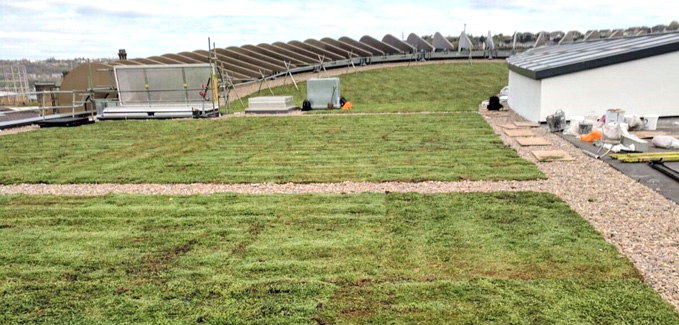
(39, 29)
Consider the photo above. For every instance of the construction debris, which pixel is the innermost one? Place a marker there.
(647, 157)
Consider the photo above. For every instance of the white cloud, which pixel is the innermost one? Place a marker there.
(74, 28)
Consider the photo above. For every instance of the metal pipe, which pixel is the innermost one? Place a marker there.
(591, 154)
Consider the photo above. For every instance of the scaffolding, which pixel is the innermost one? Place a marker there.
(14, 81)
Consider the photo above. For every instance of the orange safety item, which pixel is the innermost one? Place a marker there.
(347, 106)
(591, 137)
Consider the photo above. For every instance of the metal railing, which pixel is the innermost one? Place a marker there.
(42, 111)
(42, 105)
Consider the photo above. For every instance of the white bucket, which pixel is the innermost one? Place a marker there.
(650, 122)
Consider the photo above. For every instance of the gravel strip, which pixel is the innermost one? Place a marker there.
(265, 188)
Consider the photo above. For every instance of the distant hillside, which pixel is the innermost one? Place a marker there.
(50, 69)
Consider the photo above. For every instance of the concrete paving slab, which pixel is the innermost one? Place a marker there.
(527, 124)
(552, 155)
(509, 126)
(519, 133)
(532, 141)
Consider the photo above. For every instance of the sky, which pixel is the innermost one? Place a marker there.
(64, 29)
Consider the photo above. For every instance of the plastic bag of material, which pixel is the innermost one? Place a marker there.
(612, 131)
(574, 125)
(634, 122)
(591, 137)
(665, 142)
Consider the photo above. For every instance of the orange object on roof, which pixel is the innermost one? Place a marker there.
(347, 106)
(591, 137)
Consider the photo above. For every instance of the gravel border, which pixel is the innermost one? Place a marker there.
(267, 188)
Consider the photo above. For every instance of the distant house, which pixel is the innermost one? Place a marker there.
(637, 74)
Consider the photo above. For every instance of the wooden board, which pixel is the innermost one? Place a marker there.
(509, 126)
(532, 141)
(519, 133)
(647, 134)
(527, 124)
(552, 155)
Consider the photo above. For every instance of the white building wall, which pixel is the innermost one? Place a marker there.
(644, 86)
(524, 96)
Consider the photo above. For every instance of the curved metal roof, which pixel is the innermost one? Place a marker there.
(364, 46)
(397, 43)
(418, 43)
(551, 61)
(442, 43)
(384, 47)
(250, 62)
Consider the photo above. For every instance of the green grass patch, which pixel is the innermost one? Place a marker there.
(457, 86)
(382, 258)
(446, 147)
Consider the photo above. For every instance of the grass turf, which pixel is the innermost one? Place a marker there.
(447, 147)
(457, 86)
(383, 258)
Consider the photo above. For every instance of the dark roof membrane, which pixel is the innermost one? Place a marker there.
(551, 61)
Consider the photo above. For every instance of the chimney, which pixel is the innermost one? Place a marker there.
(122, 55)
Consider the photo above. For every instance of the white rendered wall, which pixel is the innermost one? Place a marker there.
(644, 86)
(524, 96)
